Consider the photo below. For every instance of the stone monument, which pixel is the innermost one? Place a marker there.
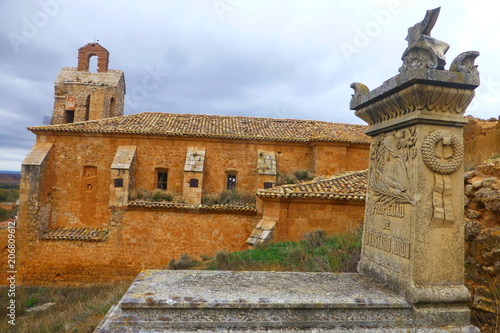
(412, 266)
(413, 238)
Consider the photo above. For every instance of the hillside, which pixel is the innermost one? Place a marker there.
(13, 177)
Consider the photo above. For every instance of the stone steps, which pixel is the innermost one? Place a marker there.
(209, 301)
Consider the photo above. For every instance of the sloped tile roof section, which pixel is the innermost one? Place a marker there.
(349, 185)
(210, 126)
(82, 234)
(194, 208)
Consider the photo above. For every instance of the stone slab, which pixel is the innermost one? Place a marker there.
(228, 289)
(226, 301)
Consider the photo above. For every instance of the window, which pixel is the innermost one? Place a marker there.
(268, 185)
(231, 182)
(112, 107)
(70, 116)
(118, 182)
(162, 179)
(87, 108)
(193, 182)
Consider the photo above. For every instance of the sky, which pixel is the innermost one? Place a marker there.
(260, 58)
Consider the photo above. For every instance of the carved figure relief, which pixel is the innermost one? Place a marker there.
(390, 156)
(442, 152)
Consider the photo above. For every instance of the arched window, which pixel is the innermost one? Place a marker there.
(87, 108)
(112, 107)
(93, 59)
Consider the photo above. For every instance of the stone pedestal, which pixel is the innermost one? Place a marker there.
(413, 238)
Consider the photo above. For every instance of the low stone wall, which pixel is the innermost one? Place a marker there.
(138, 238)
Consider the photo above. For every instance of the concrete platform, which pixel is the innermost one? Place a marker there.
(223, 301)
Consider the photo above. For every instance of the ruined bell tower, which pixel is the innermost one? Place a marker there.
(81, 95)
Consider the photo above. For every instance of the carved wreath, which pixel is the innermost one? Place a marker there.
(429, 154)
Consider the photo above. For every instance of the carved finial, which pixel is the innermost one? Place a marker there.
(420, 42)
(464, 63)
(359, 89)
(424, 28)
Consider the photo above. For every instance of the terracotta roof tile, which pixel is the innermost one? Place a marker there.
(180, 206)
(349, 185)
(195, 125)
(84, 234)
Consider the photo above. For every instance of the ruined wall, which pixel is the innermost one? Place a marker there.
(481, 140)
(138, 239)
(297, 217)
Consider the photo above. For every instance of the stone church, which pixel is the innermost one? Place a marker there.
(105, 195)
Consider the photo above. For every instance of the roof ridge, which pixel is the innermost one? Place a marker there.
(218, 126)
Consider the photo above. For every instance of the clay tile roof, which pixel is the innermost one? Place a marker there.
(179, 206)
(83, 234)
(349, 185)
(230, 127)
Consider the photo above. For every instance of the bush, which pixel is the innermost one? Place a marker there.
(294, 177)
(156, 196)
(229, 197)
(184, 262)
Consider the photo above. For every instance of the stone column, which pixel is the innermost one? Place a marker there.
(413, 238)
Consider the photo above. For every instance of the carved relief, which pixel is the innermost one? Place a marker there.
(419, 56)
(424, 51)
(464, 63)
(417, 97)
(359, 89)
(389, 178)
(442, 152)
(89, 179)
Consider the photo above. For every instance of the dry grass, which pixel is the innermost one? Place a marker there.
(229, 197)
(487, 315)
(75, 310)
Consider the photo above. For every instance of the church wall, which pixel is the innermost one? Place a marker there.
(76, 193)
(139, 239)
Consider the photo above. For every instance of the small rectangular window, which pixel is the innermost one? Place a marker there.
(193, 182)
(70, 116)
(118, 182)
(162, 180)
(268, 185)
(231, 182)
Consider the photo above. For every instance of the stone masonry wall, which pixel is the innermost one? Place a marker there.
(139, 239)
(75, 194)
(297, 217)
(72, 88)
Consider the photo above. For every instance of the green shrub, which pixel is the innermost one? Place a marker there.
(338, 253)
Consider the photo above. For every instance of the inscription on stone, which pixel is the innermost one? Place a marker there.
(388, 243)
(393, 210)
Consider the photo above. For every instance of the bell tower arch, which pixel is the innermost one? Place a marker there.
(88, 51)
(82, 96)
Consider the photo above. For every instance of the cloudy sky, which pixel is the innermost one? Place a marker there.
(262, 58)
